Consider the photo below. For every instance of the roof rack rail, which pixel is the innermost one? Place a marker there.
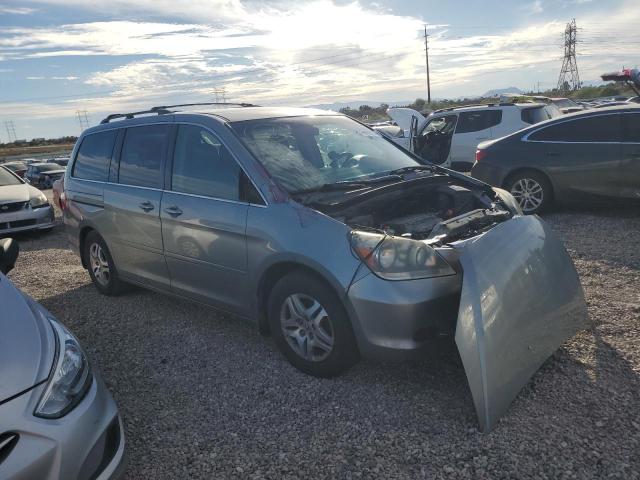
(165, 107)
(113, 116)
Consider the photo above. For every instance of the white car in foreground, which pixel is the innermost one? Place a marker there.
(450, 136)
(22, 207)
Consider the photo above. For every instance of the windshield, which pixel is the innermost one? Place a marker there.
(307, 152)
(7, 178)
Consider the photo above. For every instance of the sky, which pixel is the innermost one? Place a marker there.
(58, 57)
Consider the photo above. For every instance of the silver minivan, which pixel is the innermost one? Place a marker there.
(326, 235)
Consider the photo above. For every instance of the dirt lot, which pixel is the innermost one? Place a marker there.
(203, 396)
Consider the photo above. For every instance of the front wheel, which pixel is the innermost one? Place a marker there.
(532, 191)
(310, 326)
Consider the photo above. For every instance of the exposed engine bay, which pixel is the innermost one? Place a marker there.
(437, 208)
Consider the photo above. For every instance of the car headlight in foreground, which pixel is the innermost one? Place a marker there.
(39, 201)
(70, 376)
(398, 258)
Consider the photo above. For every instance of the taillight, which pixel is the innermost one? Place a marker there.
(480, 154)
(62, 201)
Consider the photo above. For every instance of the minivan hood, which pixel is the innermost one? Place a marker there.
(27, 342)
(14, 193)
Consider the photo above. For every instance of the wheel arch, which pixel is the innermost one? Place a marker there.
(276, 271)
(84, 231)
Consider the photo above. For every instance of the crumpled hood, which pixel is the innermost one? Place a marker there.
(27, 342)
(14, 193)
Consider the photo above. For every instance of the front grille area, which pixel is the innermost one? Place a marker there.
(12, 207)
(17, 224)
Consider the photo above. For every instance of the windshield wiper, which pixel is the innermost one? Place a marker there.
(347, 184)
(413, 168)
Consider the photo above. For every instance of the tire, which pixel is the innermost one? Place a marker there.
(95, 250)
(290, 308)
(532, 190)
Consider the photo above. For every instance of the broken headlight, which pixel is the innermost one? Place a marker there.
(398, 258)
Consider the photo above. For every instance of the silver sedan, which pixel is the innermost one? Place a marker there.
(57, 419)
(22, 207)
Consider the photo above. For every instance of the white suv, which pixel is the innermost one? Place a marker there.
(450, 136)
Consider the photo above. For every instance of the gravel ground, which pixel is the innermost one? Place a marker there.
(204, 396)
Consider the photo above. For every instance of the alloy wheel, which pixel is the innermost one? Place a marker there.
(529, 194)
(307, 328)
(99, 264)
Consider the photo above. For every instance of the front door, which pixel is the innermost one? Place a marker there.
(204, 221)
(629, 174)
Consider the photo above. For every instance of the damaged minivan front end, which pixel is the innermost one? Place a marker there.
(443, 256)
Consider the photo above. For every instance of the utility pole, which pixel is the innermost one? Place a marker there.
(11, 130)
(83, 119)
(569, 78)
(426, 55)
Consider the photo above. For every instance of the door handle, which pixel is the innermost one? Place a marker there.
(173, 211)
(552, 154)
(146, 206)
(482, 138)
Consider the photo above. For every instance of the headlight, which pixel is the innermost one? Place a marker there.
(398, 258)
(70, 376)
(39, 201)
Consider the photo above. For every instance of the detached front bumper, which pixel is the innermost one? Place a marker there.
(27, 219)
(87, 443)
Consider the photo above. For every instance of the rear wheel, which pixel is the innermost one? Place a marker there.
(310, 326)
(532, 191)
(101, 267)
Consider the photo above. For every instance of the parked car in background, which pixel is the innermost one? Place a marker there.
(57, 418)
(449, 137)
(19, 168)
(566, 105)
(63, 162)
(42, 175)
(22, 207)
(587, 156)
(327, 235)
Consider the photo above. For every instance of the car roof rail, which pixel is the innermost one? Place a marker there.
(130, 115)
(231, 104)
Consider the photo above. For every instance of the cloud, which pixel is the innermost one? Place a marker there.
(534, 8)
(16, 10)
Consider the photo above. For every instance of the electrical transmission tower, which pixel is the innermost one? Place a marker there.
(569, 78)
(11, 130)
(220, 94)
(83, 119)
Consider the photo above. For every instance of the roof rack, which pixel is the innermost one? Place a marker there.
(164, 109)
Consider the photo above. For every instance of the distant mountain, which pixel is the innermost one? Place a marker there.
(500, 91)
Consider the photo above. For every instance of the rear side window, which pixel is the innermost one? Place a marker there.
(203, 166)
(601, 128)
(632, 127)
(478, 120)
(94, 156)
(143, 155)
(535, 115)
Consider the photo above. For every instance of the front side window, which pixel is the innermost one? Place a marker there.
(595, 129)
(94, 156)
(446, 124)
(308, 152)
(478, 120)
(143, 155)
(203, 166)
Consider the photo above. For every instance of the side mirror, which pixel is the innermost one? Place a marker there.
(8, 254)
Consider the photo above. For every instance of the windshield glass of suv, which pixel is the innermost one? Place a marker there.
(307, 152)
(7, 178)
